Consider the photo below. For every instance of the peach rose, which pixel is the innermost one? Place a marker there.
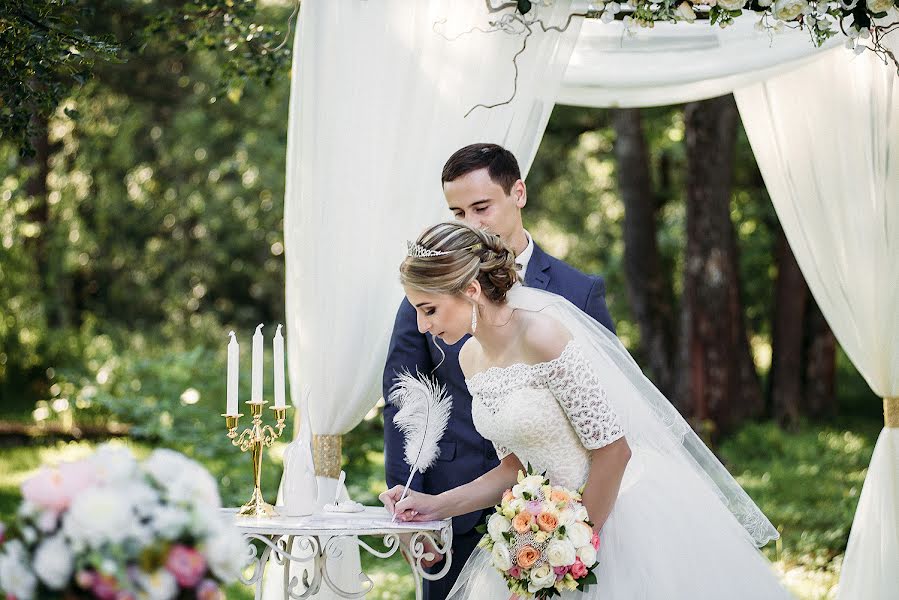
(559, 496)
(527, 556)
(507, 496)
(547, 521)
(522, 521)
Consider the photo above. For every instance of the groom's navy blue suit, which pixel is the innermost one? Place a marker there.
(464, 454)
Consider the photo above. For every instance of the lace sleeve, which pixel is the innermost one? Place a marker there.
(577, 388)
(501, 451)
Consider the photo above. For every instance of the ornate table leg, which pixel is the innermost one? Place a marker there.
(281, 550)
(416, 554)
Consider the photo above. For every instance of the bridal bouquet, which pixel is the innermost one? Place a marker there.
(540, 539)
(113, 528)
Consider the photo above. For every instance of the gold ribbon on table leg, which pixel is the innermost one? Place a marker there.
(326, 455)
(891, 412)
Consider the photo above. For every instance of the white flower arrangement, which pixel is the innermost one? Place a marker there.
(110, 527)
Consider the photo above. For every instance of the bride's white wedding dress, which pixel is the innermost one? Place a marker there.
(680, 528)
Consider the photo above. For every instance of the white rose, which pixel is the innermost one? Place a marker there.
(113, 463)
(517, 505)
(566, 518)
(168, 522)
(15, 577)
(54, 563)
(685, 12)
(160, 585)
(879, 6)
(47, 521)
(227, 553)
(99, 515)
(29, 535)
(579, 534)
(560, 553)
(587, 554)
(787, 10)
(502, 558)
(580, 513)
(541, 577)
(497, 525)
(731, 4)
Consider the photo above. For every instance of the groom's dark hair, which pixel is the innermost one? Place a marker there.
(499, 162)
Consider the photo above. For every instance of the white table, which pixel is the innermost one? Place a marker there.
(314, 539)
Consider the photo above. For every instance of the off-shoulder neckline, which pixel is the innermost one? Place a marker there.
(522, 365)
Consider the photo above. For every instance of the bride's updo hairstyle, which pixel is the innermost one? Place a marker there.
(449, 256)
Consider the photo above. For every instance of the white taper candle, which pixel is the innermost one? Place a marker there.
(278, 345)
(233, 369)
(256, 395)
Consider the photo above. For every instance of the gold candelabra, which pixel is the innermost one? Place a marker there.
(255, 438)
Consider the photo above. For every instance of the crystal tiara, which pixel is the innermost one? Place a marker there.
(416, 250)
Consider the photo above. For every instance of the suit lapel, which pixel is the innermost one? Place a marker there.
(537, 275)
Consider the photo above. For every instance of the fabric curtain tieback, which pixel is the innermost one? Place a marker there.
(326, 455)
(891, 412)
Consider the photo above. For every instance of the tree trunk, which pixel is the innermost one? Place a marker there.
(722, 388)
(790, 295)
(819, 401)
(648, 286)
(40, 246)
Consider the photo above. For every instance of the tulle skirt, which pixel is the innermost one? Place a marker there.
(668, 537)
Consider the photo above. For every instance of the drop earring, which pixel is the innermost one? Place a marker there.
(474, 318)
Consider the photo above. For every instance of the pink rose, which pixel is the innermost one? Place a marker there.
(514, 571)
(561, 572)
(54, 488)
(595, 541)
(535, 507)
(105, 587)
(85, 579)
(578, 569)
(209, 590)
(186, 564)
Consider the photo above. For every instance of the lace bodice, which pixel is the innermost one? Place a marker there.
(549, 414)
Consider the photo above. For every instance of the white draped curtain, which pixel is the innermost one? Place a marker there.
(379, 95)
(826, 138)
(824, 127)
(675, 63)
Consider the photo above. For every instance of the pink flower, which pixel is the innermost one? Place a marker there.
(186, 564)
(535, 507)
(561, 572)
(514, 571)
(595, 541)
(578, 569)
(209, 590)
(2, 532)
(85, 579)
(105, 587)
(54, 488)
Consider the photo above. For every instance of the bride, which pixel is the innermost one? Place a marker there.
(553, 388)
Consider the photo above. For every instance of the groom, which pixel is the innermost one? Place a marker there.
(483, 188)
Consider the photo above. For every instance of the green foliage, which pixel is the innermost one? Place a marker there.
(807, 484)
(51, 48)
(44, 55)
(163, 215)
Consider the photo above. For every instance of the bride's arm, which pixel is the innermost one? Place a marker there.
(484, 492)
(606, 471)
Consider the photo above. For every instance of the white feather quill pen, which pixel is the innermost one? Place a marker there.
(422, 416)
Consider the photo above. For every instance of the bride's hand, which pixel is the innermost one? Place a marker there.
(416, 506)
